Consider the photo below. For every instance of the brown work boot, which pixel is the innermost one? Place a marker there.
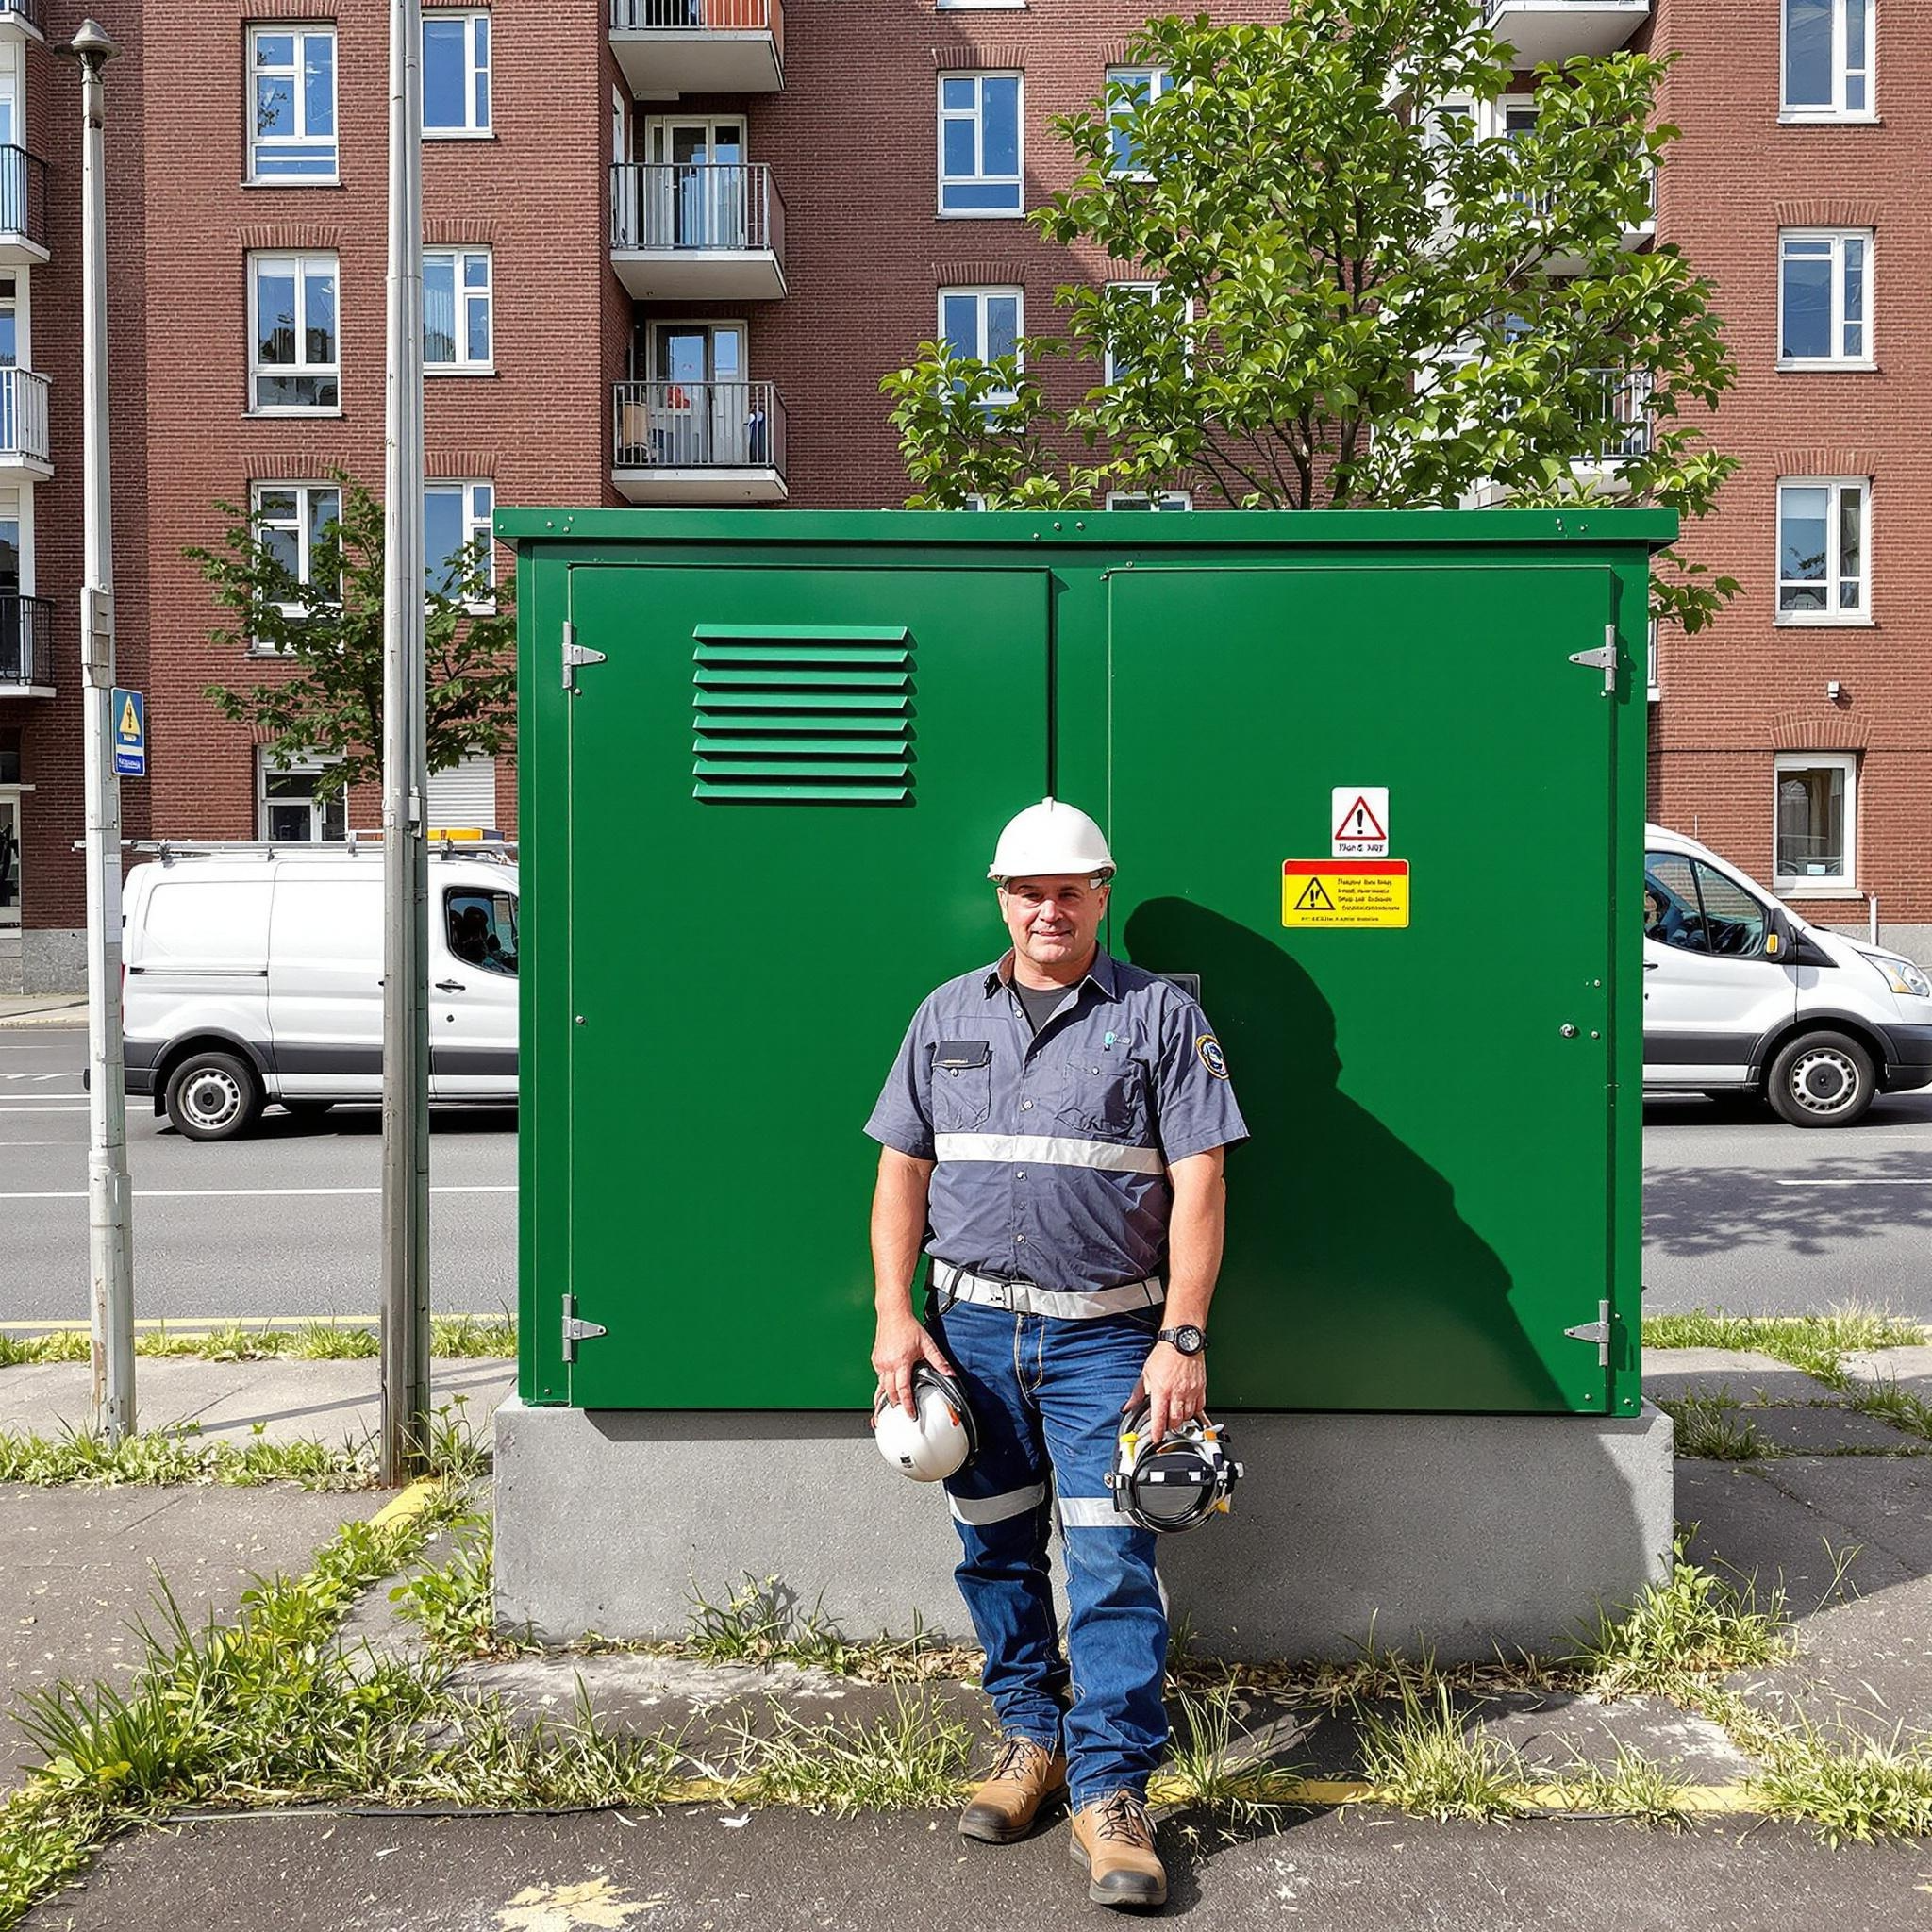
(1024, 1776)
(1115, 1842)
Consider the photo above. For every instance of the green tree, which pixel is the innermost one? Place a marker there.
(326, 637)
(1359, 302)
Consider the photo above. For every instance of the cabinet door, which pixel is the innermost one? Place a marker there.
(1421, 1211)
(784, 789)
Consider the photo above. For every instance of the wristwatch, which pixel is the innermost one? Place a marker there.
(1187, 1339)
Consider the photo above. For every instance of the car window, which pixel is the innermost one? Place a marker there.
(1733, 920)
(1671, 914)
(480, 928)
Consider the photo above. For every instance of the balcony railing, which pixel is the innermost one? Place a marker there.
(26, 640)
(29, 11)
(23, 415)
(1555, 29)
(722, 206)
(1619, 411)
(699, 426)
(24, 195)
(699, 46)
(699, 16)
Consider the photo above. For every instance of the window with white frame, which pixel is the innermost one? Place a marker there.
(293, 329)
(1827, 60)
(1816, 822)
(289, 521)
(980, 325)
(1824, 550)
(1824, 297)
(1156, 500)
(456, 515)
(456, 311)
(1117, 358)
(287, 809)
(980, 144)
(292, 136)
(456, 73)
(1128, 87)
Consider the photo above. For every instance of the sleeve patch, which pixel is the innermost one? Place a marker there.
(1211, 1056)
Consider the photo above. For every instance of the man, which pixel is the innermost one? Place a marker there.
(1053, 1133)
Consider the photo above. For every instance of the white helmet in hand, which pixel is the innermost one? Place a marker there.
(937, 1441)
(1049, 840)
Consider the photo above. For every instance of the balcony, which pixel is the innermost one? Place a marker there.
(26, 646)
(20, 20)
(671, 47)
(23, 451)
(698, 443)
(1617, 414)
(698, 232)
(23, 208)
(1555, 29)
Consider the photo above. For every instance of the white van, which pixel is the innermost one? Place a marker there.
(1742, 996)
(255, 976)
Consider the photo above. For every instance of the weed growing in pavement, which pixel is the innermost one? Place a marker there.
(179, 1456)
(1885, 1402)
(1425, 1759)
(1213, 1762)
(1713, 1428)
(1695, 1626)
(1633, 1787)
(1815, 1344)
(916, 1755)
(467, 1336)
(455, 1605)
(1867, 1791)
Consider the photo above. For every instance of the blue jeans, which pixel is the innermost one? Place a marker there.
(1046, 1395)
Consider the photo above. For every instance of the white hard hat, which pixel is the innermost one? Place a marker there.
(1049, 839)
(939, 1440)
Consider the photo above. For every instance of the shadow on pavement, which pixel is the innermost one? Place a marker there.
(1715, 1211)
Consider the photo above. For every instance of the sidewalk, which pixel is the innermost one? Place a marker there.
(42, 1008)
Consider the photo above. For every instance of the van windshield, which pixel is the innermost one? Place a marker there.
(481, 928)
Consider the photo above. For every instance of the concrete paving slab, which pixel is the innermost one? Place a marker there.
(706, 1871)
(1671, 1373)
(1557, 1733)
(329, 1402)
(81, 1571)
(1820, 1428)
(1910, 1367)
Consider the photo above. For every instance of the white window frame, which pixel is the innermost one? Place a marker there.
(263, 147)
(464, 298)
(1804, 885)
(1165, 502)
(1835, 238)
(1801, 112)
(304, 265)
(981, 294)
(475, 31)
(942, 114)
(303, 531)
(265, 768)
(1158, 82)
(1832, 613)
(1184, 315)
(479, 519)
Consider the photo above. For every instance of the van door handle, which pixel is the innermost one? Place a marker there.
(1650, 965)
(451, 986)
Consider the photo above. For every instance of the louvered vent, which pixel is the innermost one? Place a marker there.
(801, 713)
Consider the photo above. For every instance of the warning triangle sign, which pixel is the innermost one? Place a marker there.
(130, 724)
(1359, 821)
(1314, 898)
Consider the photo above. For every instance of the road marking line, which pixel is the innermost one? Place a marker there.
(1904, 1180)
(195, 1324)
(225, 1193)
(43, 1108)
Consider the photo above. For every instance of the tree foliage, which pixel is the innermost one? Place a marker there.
(325, 638)
(1359, 300)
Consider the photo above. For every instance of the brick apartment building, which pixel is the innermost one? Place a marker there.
(671, 245)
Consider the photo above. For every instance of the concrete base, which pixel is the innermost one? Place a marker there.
(53, 960)
(1464, 1533)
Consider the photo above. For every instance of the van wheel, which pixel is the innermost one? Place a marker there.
(1821, 1080)
(213, 1096)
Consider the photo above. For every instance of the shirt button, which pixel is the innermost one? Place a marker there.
(1024, 1106)
(1019, 1237)
(1020, 1176)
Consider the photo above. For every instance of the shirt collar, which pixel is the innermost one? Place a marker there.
(1101, 973)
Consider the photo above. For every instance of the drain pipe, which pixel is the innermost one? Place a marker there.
(1872, 899)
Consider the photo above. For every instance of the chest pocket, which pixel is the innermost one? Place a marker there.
(1101, 1097)
(962, 1085)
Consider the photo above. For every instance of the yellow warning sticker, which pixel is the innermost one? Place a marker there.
(1344, 891)
(130, 724)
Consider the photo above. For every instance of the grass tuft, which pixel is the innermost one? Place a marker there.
(1213, 1762)
(179, 1456)
(1633, 1787)
(455, 1605)
(1426, 1761)
(1815, 1344)
(1713, 1428)
(915, 1756)
(1872, 1791)
(466, 1336)
(1885, 1402)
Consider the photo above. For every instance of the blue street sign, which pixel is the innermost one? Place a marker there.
(129, 713)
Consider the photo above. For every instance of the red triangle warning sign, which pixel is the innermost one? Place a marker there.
(1359, 820)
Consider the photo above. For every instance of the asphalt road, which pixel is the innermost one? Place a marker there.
(1741, 1212)
(286, 1222)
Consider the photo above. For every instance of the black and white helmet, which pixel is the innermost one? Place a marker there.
(1177, 1483)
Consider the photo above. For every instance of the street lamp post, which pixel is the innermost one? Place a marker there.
(111, 1232)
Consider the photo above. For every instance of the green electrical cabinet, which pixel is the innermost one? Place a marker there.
(1375, 781)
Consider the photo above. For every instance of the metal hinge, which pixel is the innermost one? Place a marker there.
(576, 1331)
(1598, 1332)
(1604, 659)
(576, 655)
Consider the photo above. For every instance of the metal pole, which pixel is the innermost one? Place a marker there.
(405, 787)
(109, 1203)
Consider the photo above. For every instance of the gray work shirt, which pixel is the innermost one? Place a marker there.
(1051, 1149)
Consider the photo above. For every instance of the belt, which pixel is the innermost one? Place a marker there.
(1029, 1298)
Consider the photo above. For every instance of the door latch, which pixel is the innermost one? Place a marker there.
(575, 655)
(577, 1330)
(1597, 1331)
(1604, 658)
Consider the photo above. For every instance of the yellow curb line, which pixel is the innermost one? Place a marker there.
(411, 1502)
